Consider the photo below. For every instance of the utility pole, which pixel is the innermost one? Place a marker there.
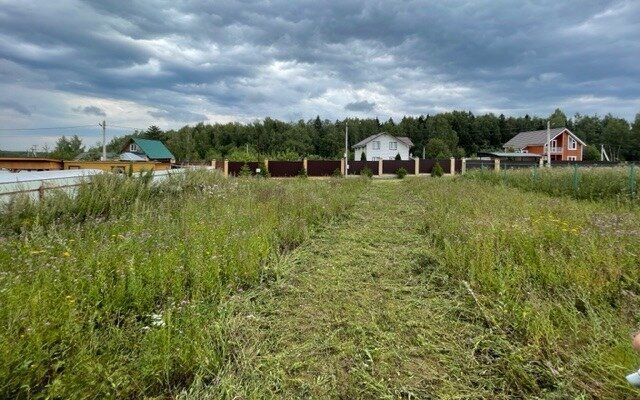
(104, 140)
(549, 144)
(346, 149)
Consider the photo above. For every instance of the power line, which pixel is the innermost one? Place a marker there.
(66, 127)
(47, 128)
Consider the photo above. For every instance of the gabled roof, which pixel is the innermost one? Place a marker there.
(537, 138)
(154, 149)
(364, 142)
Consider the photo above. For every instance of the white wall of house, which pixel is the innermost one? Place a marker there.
(387, 148)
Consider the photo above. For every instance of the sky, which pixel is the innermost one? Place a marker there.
(171, 63)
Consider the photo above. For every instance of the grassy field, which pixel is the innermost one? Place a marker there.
(116, 293)
(415, 288)
(585, 183)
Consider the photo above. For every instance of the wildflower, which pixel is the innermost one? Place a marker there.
(66, 254)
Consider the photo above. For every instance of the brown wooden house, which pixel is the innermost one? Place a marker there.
(564, 144)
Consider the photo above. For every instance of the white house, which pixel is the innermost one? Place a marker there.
(383, 146)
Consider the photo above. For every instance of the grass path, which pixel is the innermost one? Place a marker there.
(350, 317)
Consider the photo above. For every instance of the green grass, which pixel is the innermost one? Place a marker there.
(414, 288)
(445, 289)
(590, 183)
(126, 303)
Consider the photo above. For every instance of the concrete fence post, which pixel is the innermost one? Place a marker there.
(452, 165)
(41, 192)
(305, 165)
(343, 167)
(463, 169)
(416, 167)
(226, 168)
(380, 167)
(213, 164)
(541, 162)
(266, 163)
(496, 164)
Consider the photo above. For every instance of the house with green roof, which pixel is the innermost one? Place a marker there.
(152, 150)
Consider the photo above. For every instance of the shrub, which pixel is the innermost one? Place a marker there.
(401, 173)
(302, 173)
(363, 156)
(264, 171)
(244, 170)
(398, 158)
(437, 171)
(366, 171)
(337, 173)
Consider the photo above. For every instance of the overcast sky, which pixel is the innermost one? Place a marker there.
(178, 62)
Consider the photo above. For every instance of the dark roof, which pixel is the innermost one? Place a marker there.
(532, 138)
(363, 142)
(154, 149)
(496, 154)
(536, 138)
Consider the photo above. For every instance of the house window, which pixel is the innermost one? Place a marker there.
(573, 144)
(572, 158)
(133, 148)
(376, 145)
(554, 146)
(393, 145)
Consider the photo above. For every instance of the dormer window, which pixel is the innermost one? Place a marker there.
(573, 144)
(134, 148)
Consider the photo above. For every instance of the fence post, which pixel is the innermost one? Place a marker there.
(463, 169)
(266, 164)
(496, 164)
(343, 167)
(632, 181)
(226, 168)
(541, 162)
(380, 167)
(304, 165)
(213, 164)
(416, 167)
(41, 192)
(452, 166)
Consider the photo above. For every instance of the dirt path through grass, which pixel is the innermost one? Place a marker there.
(349, 317)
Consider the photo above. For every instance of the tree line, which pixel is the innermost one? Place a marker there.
(450, 134)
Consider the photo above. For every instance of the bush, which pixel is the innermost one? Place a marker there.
(398, 158)
(401, 173)
(363, 156)
(337, 173)
(302, 173)
(437, 171)
(264, 171)
(366, 171)
(244, 170)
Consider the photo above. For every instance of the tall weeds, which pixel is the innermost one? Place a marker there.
(116, 293)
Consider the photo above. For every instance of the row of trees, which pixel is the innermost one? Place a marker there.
(457, 133)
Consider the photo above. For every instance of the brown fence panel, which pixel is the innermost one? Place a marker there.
(322, 167)
(279, 169)
(458, 165)
(446, 165)
(391, 166)
(426, 165)
(356, 166)
(235, 166)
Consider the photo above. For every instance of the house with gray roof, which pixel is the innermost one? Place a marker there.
(383, 146)
(563, 146)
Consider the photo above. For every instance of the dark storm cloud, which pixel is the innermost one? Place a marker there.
(91, 110)
(181, 61)
(15, 107)
(360, 106)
